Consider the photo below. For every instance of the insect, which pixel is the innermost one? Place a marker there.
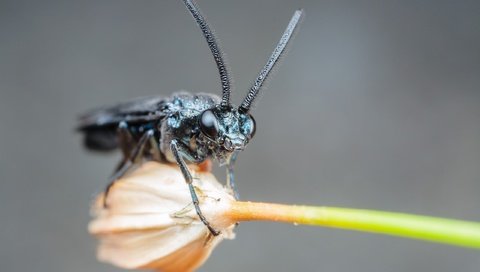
(185, 128)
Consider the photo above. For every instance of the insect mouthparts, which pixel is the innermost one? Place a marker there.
(234, 144)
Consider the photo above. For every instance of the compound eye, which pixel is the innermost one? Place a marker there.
(249, 127)
(209, 124)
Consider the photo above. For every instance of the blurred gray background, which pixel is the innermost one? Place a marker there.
(377, 105)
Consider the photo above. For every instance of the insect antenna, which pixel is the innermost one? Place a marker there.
(214, 48)
(272, 61)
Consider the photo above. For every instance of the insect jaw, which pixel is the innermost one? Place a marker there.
(237, 143)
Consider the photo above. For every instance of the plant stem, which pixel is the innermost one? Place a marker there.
(441, 230)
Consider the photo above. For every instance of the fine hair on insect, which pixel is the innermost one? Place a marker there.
(184, 128)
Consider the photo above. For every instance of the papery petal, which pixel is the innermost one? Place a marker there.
(151, 223)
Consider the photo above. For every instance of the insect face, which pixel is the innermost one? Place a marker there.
(226, 130)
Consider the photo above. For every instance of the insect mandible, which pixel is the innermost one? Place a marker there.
(185, 128)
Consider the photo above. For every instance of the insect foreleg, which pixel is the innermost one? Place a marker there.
(179, 151)
(135, 157)
(231, 176)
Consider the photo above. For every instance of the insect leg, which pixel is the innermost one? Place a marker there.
(230, 174)
(155, 147)
(125, 139)
(179, 151)
(125, 142)
(134, 158)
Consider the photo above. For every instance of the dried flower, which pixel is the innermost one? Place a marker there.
(151, 223)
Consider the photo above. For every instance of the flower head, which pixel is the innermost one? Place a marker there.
(151, 222)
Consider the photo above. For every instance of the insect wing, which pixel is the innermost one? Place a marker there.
(139, 110)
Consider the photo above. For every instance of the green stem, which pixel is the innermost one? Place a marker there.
(434, 229)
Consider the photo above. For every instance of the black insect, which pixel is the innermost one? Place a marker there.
(185, 128)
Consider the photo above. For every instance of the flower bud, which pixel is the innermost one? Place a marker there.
(150, 221)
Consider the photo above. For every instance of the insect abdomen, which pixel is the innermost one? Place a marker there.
(100, 139)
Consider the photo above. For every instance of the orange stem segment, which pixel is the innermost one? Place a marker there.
(434, 229)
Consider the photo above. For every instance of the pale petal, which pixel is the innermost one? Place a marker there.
(151, 223)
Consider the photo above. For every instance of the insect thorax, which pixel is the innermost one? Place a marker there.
(181, 122)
